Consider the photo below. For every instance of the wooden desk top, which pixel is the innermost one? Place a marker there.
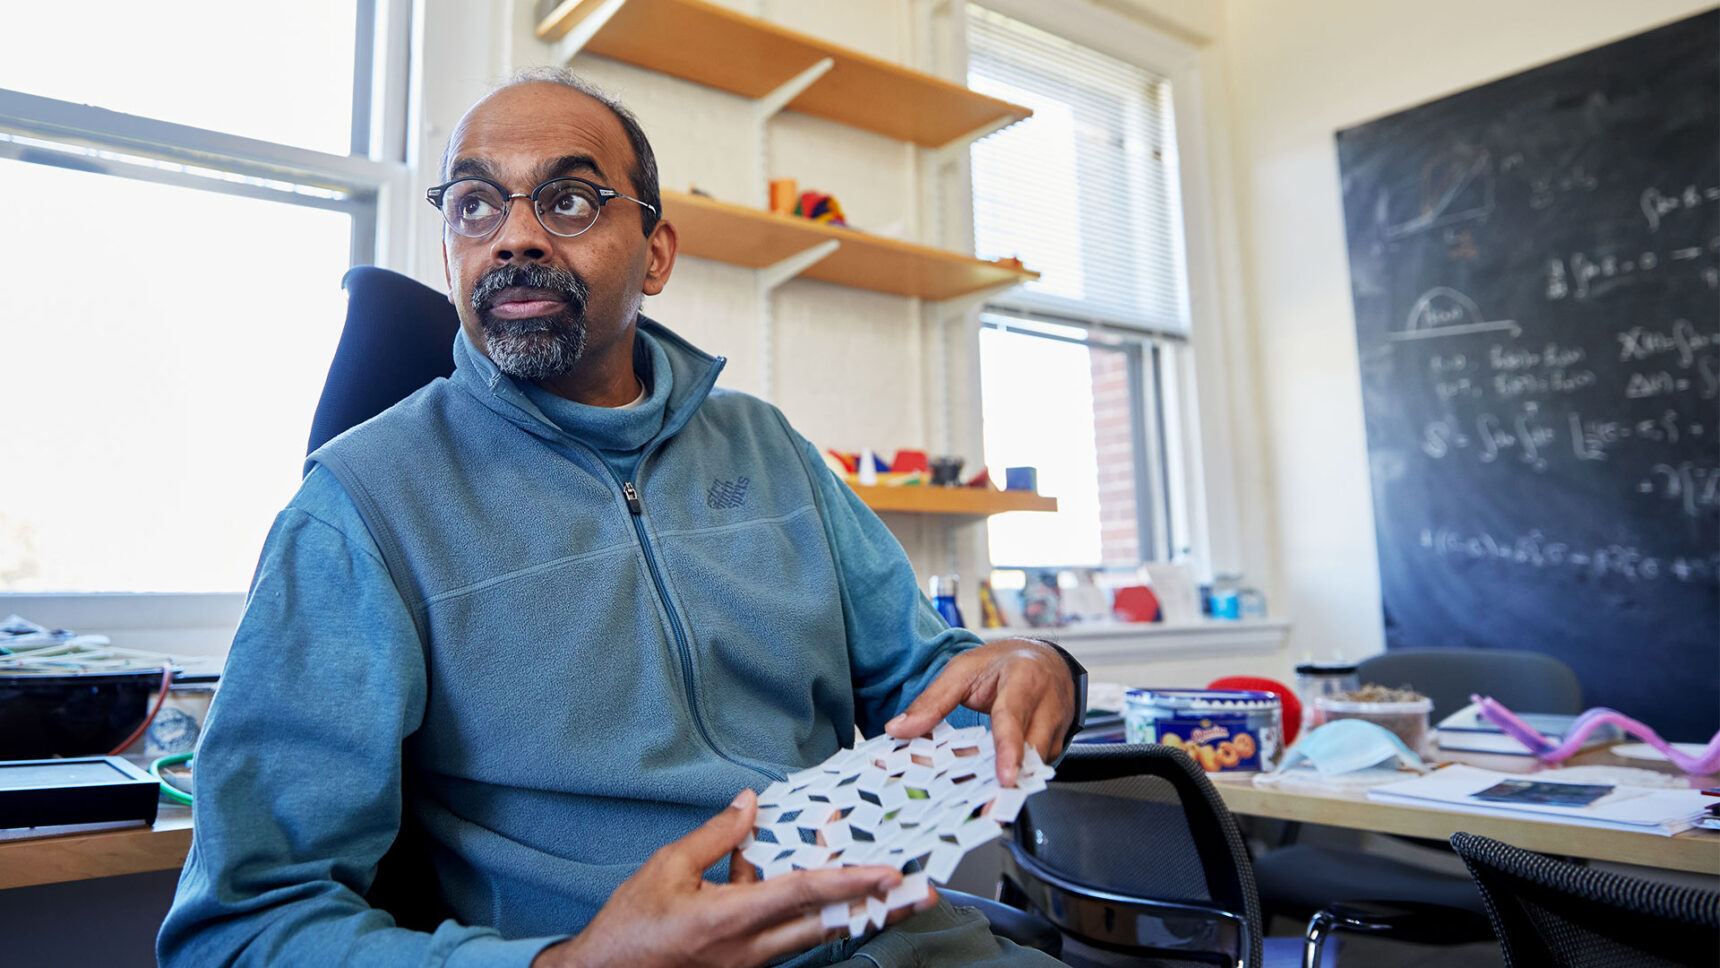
(1697, 851)
(28, 861)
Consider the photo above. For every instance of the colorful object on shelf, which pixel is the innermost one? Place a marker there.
(820, 207)
(910, 460)
(946, 470)
(784, 193)
(1136, 603)
(850, 462)
(1042, 601)
(989, 615)
(1021, 479)
(943, 589)
(1547, 752)
(1287, 700)
(982, 479)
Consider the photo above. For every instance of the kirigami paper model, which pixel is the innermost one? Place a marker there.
(890, 802)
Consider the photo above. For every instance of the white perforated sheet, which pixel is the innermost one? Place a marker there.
(890, 802)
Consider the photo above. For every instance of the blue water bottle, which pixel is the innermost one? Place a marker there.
(944, 600)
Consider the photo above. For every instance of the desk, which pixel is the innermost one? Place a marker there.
(28, 861)
(1697, 851)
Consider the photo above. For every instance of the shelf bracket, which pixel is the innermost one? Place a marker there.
(776, 274)
(769, 278)
(575, 40)
(790, 89)
(956, 307)
(947, 153)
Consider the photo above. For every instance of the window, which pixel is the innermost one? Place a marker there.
(184, 194)
(1086, 192)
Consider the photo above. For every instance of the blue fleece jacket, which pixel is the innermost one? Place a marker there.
(502, 646)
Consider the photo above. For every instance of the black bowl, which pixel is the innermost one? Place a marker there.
(74, 715)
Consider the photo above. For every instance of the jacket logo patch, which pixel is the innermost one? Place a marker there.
(727, 494)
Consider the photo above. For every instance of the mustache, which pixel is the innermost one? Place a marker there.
(532, 275)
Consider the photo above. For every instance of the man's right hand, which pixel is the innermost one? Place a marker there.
(667, 914)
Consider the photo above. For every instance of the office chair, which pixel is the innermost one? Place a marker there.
(1530, 681)
(1554, 913)
(1131, 855)
(1351, 890)
(399, 335)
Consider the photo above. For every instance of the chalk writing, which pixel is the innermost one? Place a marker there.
(1535, 550)
(1695, 487)
(1444, 311)
(1682, 339)
(1656, 205)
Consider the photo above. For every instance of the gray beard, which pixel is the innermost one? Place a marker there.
(534, 349)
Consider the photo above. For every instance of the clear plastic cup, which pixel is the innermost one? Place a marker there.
(1409, 720)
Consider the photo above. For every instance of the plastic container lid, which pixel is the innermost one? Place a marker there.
(1204, 700)
(1328, 669)
(1410, 707)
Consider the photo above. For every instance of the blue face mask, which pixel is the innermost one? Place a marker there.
(1347, 745)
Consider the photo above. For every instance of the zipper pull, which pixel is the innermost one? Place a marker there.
(632, 497)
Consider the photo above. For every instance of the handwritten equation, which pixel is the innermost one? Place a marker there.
(1535, 551)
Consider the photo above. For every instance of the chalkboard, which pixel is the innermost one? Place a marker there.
(1535, 265)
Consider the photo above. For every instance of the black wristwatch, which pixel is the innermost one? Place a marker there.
(1078, 673)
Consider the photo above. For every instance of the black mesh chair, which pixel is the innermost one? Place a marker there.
(1336, 889)
(1131, 854)
(1554, 913)
(399, 335)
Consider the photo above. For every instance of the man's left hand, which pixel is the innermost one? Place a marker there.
(1024, 686)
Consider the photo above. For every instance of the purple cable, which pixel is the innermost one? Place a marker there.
(1547, 752)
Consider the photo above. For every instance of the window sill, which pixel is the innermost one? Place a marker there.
(1207, 638)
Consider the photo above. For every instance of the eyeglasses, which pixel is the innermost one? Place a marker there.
(476, 207)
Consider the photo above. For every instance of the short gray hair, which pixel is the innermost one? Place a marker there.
(644, 171)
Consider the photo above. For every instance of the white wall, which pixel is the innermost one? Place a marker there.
(1298, 72)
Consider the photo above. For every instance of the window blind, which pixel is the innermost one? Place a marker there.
(1085, 191)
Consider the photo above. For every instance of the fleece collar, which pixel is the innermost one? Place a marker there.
(679, 374)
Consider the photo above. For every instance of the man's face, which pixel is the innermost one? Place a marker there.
(555, 310)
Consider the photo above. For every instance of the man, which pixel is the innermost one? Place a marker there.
(525, 630)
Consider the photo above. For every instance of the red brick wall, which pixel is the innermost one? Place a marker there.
(1119, 537)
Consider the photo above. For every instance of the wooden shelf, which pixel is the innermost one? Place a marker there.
(951, 500)
(744, 236)
(717, 47)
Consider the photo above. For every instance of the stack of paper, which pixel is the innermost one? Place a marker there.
(1643, 809)
(891, 802)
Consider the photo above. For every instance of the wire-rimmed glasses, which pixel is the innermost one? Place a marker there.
(475, 207)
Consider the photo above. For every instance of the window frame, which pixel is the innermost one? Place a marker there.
(1213, 415)
(1151, 441)
(375, 178)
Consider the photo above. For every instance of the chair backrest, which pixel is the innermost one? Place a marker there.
(1530, 682)
(1555, 913)
(1131, 849)
(399, 336)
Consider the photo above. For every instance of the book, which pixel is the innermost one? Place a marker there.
(1467, 730)
(1652, 810)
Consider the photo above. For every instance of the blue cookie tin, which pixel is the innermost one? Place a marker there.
(1224, 730)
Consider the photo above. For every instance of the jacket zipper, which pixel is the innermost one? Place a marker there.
(637, 510)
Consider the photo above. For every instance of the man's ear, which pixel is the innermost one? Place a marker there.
(662, 246)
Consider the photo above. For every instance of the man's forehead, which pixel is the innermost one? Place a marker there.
(530, 128)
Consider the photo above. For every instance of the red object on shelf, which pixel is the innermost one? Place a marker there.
(1135, 603)
(910, 460)
(1292, 707)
